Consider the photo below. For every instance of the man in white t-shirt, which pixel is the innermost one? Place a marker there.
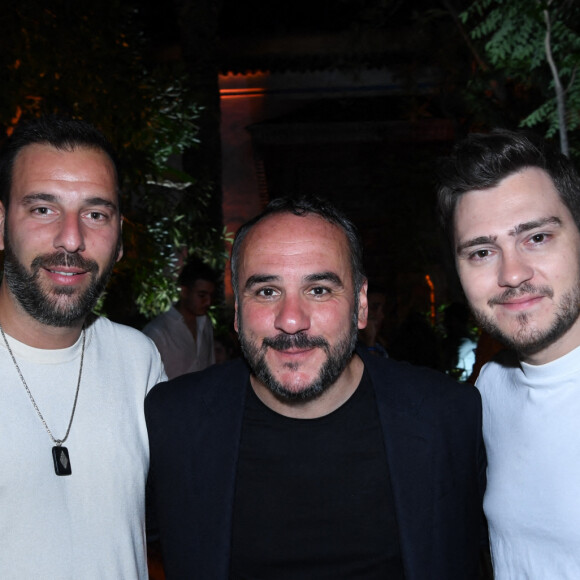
(511, 206)
(74, 444)
(184, 334)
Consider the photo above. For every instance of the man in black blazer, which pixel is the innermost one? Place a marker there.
(308, 459)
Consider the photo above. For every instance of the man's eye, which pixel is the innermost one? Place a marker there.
(96, 216)
(267, 292)
(319, 291)
(479, 255)
(538, 238)
(41, 210)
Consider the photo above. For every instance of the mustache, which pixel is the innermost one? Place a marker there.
(68, 260)
(299, 340)
(525, 289)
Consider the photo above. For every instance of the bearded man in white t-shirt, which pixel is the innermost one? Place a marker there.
(74, 447)
(511, 206)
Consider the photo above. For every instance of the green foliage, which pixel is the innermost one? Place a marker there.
(513, 34)
(93, 61)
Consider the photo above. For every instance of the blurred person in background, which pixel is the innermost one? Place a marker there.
(184, 334)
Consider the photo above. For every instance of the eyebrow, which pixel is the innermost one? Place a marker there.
(520, 228)
(475, 242)
(32, 197)
(51, 198)
(260, 279)
(324, 277)
(527, 226)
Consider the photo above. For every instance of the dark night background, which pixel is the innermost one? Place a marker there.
(353, 100)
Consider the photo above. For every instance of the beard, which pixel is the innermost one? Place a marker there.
(61, 306)
(527, 340)
(337, 358)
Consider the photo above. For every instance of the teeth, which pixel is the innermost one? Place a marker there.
(63, 273)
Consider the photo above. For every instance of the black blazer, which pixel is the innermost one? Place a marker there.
(432, 434)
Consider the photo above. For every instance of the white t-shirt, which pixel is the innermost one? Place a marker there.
(531, 427)
(90, 524)
(179, 352)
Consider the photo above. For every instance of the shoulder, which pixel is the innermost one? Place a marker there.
(212, 385)
(412, 386)
(117, 342)
(493, 374)
(125, 353)
(118, 335)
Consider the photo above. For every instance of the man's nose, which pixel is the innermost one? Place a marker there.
(514, 270)
(293, 315)
(70, 235)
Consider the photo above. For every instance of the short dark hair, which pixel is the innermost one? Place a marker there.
(195, 270)
(481, 161)
(62, 133)
(304, 206)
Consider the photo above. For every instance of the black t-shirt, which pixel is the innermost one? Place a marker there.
(313, 497)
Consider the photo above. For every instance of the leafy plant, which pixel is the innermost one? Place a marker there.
(93, 61)
(535, 44)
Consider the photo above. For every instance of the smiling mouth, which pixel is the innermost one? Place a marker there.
(65, 273)
(525, 294)
(522, 300)
(293, 351)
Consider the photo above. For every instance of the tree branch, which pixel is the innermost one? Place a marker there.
(560, 95)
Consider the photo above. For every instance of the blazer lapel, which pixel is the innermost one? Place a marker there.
(217, 435)
(408, 449)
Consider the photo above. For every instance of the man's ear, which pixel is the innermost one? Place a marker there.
(120, 252)
(363, 306)
(2, 220)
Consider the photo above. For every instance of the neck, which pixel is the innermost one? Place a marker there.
(17, 323)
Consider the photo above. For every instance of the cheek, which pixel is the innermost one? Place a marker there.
(26, 245)
(563, 284)
(477, 288)
(332, 321)
(257, 321)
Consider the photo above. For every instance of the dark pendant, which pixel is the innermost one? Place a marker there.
(61, 460)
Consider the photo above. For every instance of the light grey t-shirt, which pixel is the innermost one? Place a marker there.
(531, 427)
(88, 525)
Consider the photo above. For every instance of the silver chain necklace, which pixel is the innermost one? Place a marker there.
(60, 455)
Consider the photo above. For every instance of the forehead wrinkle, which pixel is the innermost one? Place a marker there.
(287, 247)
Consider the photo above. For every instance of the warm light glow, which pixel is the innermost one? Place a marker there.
(241, 86)
(241, 93)
(431, 298)
(14, 121)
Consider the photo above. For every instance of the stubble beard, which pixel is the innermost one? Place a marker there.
(61, 306)
(337, 359)
(526, 340)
